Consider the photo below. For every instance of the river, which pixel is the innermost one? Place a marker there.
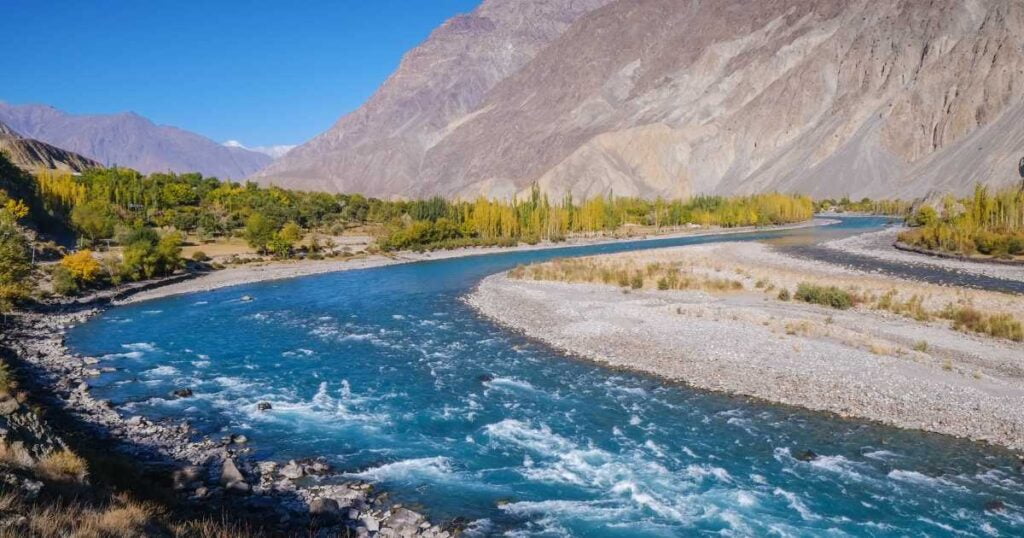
(392, 377)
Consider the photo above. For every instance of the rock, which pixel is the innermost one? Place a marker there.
(264, 406)
(134, 421)
(8, 406)
(370, 523)
(267, 468)
(238, 486)
(292, 470)
(229, 473)
(485, 378)
(183, 393)
(202, 492)
(247, 298)
(353, 514)
(324, 507)
(995, 505)
(806, 455)
(181, 478)
(239, 439)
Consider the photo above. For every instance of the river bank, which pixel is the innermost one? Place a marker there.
(277, 270)
(731, 333)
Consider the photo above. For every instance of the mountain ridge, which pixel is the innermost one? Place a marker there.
(32, 155)
(662, 98)
(128, 139)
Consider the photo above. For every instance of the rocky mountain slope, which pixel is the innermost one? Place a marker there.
(32, 155)
(133, 141)
(669, 98)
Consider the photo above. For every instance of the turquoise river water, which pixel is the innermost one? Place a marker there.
(392, 377)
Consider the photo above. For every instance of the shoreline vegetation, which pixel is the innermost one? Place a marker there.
(806, 333)
(983, 226)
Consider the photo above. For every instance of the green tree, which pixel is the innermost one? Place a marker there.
(94, 219)
(259, 232)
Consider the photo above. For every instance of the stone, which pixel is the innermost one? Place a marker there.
(183, 393)
(485, 378)
(806, 455)
(292, 470)
(370, 523)
(8, 406)
(321, 506)
(995, 505)
(264, 406)
(239, 439)
(229, 473)
(181, 478)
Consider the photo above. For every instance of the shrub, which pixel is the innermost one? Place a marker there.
(830, 296)
(663, 284)
(637, 281)
(7, 382)
(62, 466)
(64, 282)
(784, 294)
(921, 346)
(200, 256)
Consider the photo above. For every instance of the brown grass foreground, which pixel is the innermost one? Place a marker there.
(120, 517)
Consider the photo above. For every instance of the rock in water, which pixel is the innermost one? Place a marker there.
(264, 406)
(183, 393)
(806, 455)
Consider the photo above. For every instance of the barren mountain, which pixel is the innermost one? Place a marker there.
(133, 141)
(664, 97)
(32, 155)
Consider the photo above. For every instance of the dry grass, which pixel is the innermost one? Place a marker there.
(119, 517)
(625, 274)
(62, 466)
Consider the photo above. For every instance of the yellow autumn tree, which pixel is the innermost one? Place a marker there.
(82, 266)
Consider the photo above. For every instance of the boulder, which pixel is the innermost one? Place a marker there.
(323, 507)
(292, 470)
(370, 523)
(183, 477)
(229, 473)
(806, 455)
(8, 406)
(183, 393)
(264, 406)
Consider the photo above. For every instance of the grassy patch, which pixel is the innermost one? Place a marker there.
(830, 296)
(63, 466)
(969, 319)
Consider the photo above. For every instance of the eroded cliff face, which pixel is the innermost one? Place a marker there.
(670, 98)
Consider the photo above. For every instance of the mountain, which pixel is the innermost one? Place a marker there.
(273, 152)
(32, 155)
(133, 141)
(670, 98)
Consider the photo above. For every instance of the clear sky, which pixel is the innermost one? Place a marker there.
(262, 72)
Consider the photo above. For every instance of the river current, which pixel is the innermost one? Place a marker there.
(392, 377)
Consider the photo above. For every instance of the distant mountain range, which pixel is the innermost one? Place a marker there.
(31, 155)
(273, 152)
(133, 141)
(671, 98)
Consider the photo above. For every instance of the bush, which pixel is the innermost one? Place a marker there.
(64, 282)
(824, 295)
(7, 382)
(62, 466)
(200, 256)
(784, 294)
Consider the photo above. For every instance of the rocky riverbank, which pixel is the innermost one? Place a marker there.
(209, 474)
(889, 359)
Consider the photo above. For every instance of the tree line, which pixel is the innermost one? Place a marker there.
(985, 222)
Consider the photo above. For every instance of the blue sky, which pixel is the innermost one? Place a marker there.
(260, 72)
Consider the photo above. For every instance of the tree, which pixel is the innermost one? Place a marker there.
(94, 219)
(259, 232)
(15, 264)
(83, 267)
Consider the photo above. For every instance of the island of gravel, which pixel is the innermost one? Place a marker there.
(724, 324)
